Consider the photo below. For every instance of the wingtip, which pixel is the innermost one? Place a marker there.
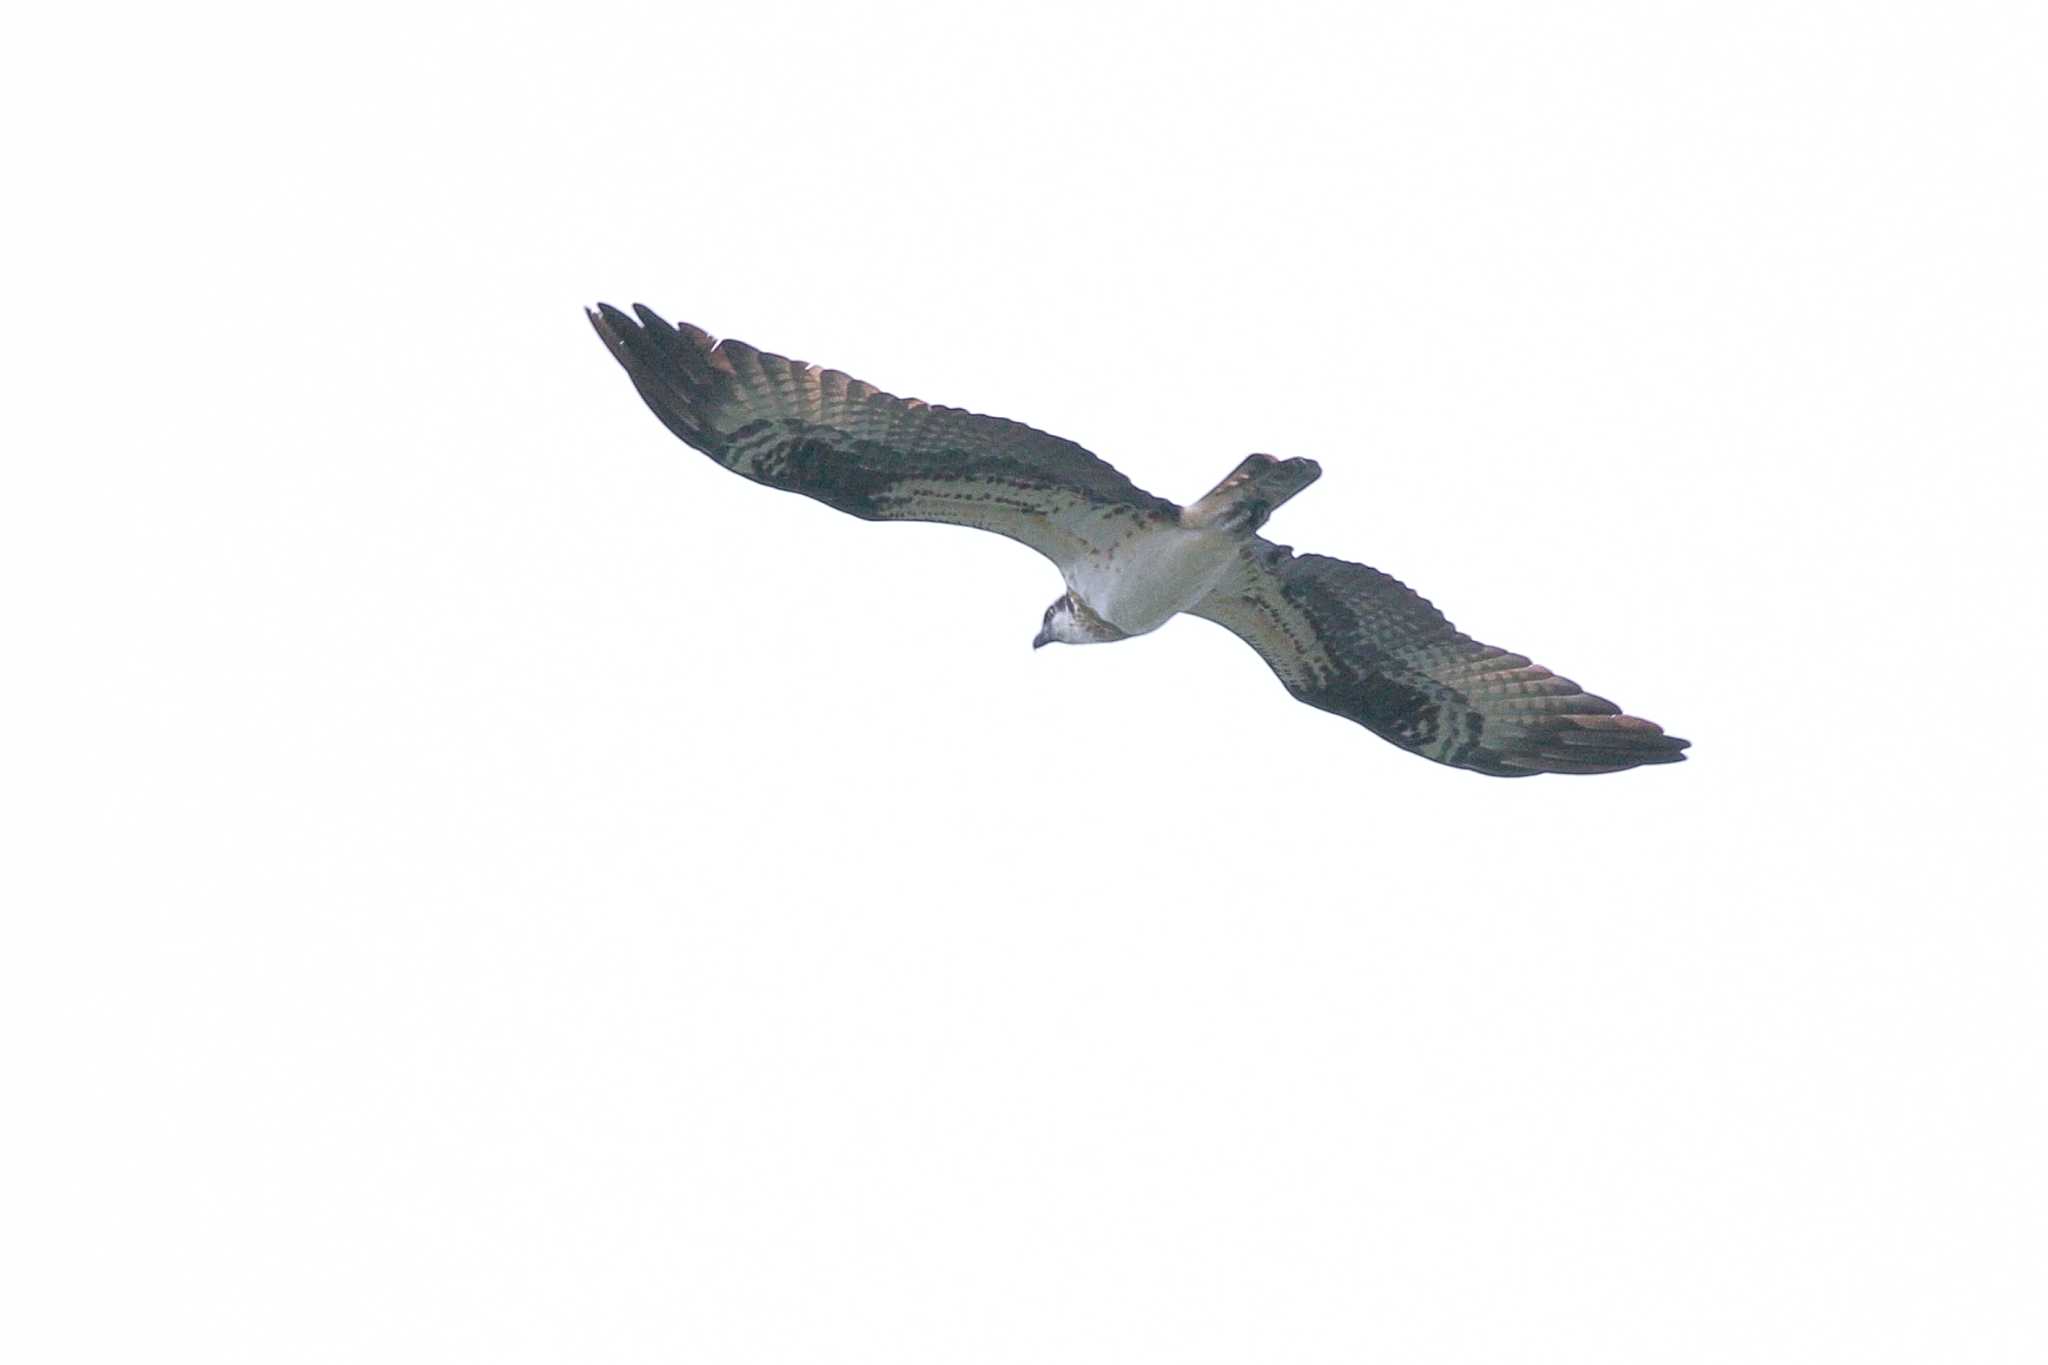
(1573, 744)
(641, 317)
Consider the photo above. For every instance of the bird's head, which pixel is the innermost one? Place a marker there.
(1060, 625)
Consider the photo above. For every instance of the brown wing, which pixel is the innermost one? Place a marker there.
(817, 432)
(1354, 642)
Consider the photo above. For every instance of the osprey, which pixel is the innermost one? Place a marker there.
(1342, 637)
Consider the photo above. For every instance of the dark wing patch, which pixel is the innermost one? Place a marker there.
(1359, 644)
(818, 432)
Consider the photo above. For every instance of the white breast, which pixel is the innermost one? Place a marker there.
(1145, 581)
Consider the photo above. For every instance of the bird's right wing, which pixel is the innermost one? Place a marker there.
(1352, 641)
(820, 433)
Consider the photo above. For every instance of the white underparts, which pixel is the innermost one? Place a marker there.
(1147, 580)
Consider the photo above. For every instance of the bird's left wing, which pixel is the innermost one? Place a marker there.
(1353, 641)
(818, 432)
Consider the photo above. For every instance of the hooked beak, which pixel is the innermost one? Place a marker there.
(1043, 638)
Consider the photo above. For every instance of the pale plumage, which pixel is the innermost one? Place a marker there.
(1342, 637)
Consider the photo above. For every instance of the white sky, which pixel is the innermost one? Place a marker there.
(490, 885)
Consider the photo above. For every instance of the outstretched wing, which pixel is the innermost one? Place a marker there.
(817, 432)
(1354, 642)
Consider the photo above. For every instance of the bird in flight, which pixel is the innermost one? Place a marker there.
(1342, 637)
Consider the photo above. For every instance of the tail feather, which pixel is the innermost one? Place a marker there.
(1244, 500)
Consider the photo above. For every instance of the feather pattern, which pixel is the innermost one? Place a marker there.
(1355, 642)
(831, 437)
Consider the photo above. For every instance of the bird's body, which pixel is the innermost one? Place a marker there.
(1142, 583)
(1342, 637)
